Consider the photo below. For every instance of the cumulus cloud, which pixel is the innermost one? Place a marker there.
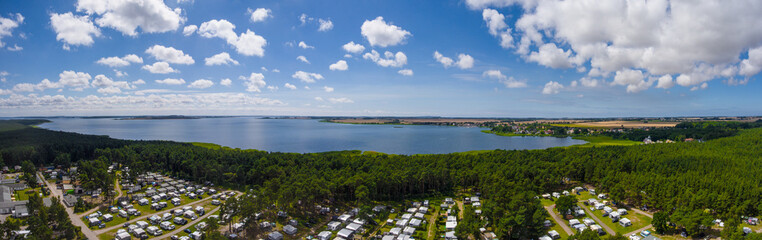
(445, 61)
(389, 60)
(171, 81)
(405, 72)
(353, 47)
(226, 82)
(138, 82)
(189, 30)
(327, 89)
(201, 84)
(8, 24)
(3, 75)
(341, 65)
(657, 37)
(382, 34)
(120, 61)
(465, 61)
(325, 25)
(497, 27)
(151, 16)
(73, 30)
(509, 82)
(665, 82)
(307, 77)
(101, 81)
(304, 45)
(752, 65)
(15, 48)
(169, 54)
(160, 68)
(588, 82)
(222, 58)
(340, 100)
(303, 59)
(552, 87)
(254, 82)
(633, 79)
(260, 14)
(290, 86)
(247, 43)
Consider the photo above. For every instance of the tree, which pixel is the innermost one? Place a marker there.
(565, 204)
(585, 235)
(660, 222)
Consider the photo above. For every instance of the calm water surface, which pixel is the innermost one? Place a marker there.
(304, 136)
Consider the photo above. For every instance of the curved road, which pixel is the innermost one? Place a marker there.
(73, 216)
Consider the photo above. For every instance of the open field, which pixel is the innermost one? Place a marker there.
(599, 141)
(619, 124)
(458, 121)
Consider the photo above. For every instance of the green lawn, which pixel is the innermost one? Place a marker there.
(117, 221)
(23, 195)
(599, 141)
(638, 221)
(556, 226)
(207, 145)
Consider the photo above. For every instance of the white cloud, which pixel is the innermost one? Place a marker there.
(319, 99)
(109, 90)
(222, 58)
(304, 45)
(752, 65)
(120, 61)
(405, 72)
(7, 25)
(226, 82)
(160, 68)
(74, 30)
(138, 82)
(325, 25)
(665, 82)
(303, 59)
(445, 61)
(152, 16)
(3, 75)
(509, 82)
(465, 61)
(248, 43)
(5, 92)
(340, 100)
(379, 33)
(306, 76)
(290, 86)
(171, 81)
(696, 41)
(74, 79)
(552, 87)
(551, 56)
(497, 27)
(101, 81)
(169, 54)
(341, 65)
(353, 47)
(15, 47)
(391, 59)
(327, 89)
(201, 84)
(588, 82)
(272, 88)
(254, 82)
(276, 70)
(260, 14)
(633, 79)
(189, 30)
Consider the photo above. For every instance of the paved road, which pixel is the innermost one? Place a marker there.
(610, 231)
(558, 219)
(75, 219)
(639, 230)
(189, 224)
(145, 216)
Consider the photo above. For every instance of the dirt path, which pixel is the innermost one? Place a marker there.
(460, 206)
(75, 219)
(433, 225)
(610, 231)
(558, 219)
(639, 230)
(642, 212)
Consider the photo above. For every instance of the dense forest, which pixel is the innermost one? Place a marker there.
(718, 178)
(706, 130)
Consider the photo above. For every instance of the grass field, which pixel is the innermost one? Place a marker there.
(207, 145)
(556, 226)
(638, 221)
(619, 124)
(599, 141)
(23, 195)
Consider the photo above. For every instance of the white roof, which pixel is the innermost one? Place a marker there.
(353, 227)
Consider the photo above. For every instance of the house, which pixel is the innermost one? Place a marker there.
(345, 234)
(70, 200)
(388, 237)
(545, 237)
(407, 216)
(412, 210)
(419, 216)
(324, 235)
(450, 235)
(573, 222)
(625, 222)
(580, 227)
(344, 217)
(579, 212)
(290, 230)
(423, 210)
(403, 237)
(333, 226)
(395, 231)
(608, 209)
(401, 223)
(6, 204)
(553, 234)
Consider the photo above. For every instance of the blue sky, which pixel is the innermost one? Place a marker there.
(518, 58)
